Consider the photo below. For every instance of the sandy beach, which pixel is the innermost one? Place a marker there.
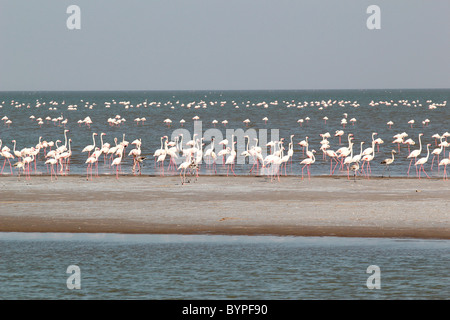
(323, 206)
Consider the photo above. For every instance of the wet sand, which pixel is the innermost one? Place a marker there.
(323, 206)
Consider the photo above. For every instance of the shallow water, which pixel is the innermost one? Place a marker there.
(282, 108)
(113, 266)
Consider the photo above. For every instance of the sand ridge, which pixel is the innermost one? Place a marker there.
(323, 206)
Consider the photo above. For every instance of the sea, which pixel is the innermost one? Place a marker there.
(61, 266)
(271, 115)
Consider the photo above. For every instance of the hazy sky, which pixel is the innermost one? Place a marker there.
(224, 45)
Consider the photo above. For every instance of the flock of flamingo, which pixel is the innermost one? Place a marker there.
(188, 157)
(194, 155)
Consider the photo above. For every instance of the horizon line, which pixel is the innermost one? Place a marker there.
(218, 90)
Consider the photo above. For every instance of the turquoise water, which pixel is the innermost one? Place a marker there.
(113, 266)
(282, 108)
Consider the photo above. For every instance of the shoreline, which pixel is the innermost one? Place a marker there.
(218, 205)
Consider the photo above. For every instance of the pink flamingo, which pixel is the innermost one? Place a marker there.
(332, 155)
(91, 147)
(445, 162)
(414, 154)
(52, 162)
(437, 152)
(423, 160)
(116, 163)
(367, 158)
(307, 163)
(7, 155)
(339, 133)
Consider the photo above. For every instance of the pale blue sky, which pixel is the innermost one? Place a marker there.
(224, 45)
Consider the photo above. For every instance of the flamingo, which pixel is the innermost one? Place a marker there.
(349, 160)
(304, 144)
(388, 162)
(339, 133)
(116, 162)
(90, 161)
(255, 151)
(378, 142)
(230, 160)
(66, 156)
(409, 142)
(183, 167)
(414, 154)
(436, 137)
(390, 124)
(357, 157)
(423, 160)
(26, 161)
(445, 162)
(332, 155)
(345, 151)
(437, 152)
(19, 165)
(63, 148)
(161, 150)
(399, 140)
(224, 143)
(369, 150)
(52, 162)
(354, 167)
(7, 155)
(17, 153)
(136, 152)
(210, 154)
(91, 147)
(307, 163)
(367, 158)
(163, 155)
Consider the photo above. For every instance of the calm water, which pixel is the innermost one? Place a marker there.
(282, 108)
(33, 266)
